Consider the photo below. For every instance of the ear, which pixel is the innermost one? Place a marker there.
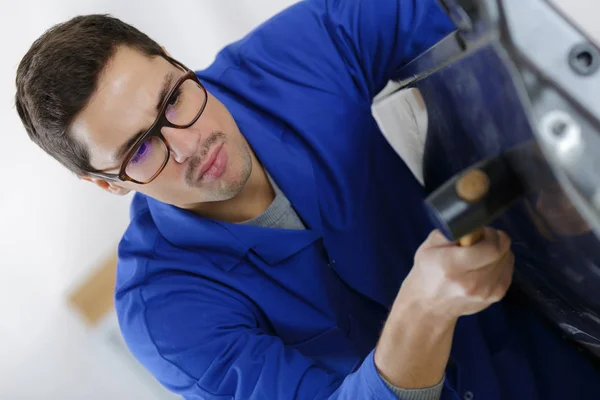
(110, 187)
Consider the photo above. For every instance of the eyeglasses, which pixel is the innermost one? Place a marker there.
(149, 155)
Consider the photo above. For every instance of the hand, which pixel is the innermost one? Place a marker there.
(449, 281)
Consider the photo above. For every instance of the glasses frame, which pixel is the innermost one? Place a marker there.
(155, 130)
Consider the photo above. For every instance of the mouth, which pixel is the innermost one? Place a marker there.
(214, 165)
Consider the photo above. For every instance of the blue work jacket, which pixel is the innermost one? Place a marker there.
(222, 311)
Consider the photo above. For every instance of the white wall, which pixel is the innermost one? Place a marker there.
(53, 228)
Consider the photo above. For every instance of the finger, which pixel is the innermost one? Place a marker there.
(489, 250)
(437, 239)
(485, 280)
(491, 273)
(503, 283)
(490, 235)
(499, 275)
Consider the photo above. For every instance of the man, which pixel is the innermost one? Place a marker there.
(278, 247)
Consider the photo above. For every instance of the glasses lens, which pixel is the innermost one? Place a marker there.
(185, 103)
(148, 159)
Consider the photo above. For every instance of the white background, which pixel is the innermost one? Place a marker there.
(54, 229)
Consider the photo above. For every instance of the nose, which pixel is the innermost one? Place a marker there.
(183, 143)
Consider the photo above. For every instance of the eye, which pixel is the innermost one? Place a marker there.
(173, 105)
(142, 152)
(174, 99)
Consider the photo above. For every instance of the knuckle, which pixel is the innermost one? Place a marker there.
(502, 288)
(504, 236)
(429, 259)
(435, 234)
(435, 238)
(420, 256)
(470, 288)
(431, 238)
(496, 297)
(504, 241)
(498, 294)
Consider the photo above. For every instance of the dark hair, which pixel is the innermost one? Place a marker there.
(58, 75)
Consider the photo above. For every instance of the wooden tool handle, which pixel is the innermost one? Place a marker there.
(471, 238)
(472, 187)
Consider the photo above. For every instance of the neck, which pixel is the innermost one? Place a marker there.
(253, 200)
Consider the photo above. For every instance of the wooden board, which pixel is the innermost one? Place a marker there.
(93, 298)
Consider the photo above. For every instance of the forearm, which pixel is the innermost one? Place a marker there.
(414, 347)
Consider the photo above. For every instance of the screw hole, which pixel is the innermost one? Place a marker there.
(559, 128)
(584, 59)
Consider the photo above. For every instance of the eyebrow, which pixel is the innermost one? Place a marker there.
(166, 87)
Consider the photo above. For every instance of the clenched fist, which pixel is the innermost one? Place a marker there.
(449, 281)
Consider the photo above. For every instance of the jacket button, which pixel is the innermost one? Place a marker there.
(468, 396)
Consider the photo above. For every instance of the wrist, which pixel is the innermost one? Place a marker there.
(414, 346)
(422, 312)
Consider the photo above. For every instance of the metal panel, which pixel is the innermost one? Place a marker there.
(519, 77)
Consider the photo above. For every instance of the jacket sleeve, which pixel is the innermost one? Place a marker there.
(202, 340)
(350, 47)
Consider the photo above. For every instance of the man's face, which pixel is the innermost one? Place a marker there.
(125, 103)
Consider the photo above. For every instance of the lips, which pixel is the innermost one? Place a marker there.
(210, 160)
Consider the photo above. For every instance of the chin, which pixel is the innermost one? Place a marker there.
(228, 187)
(234, 188)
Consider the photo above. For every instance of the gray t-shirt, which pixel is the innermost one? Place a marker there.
(280, 214)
